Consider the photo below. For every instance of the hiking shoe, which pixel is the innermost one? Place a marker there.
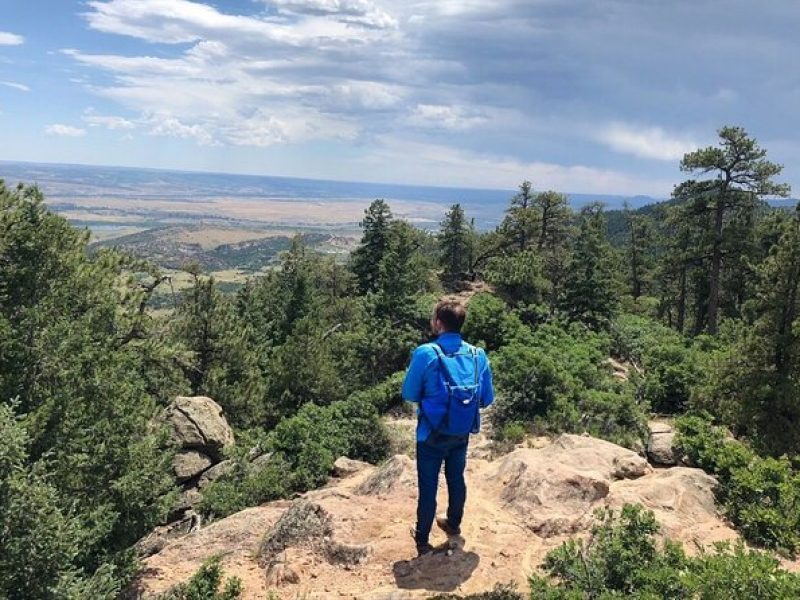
(425, 549)
(444, 525)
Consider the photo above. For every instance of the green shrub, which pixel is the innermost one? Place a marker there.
(560, 383)
(492, 324)
(513, 433)
(304, 448)
(384, 396)
(39, 541)
(205, 585)
(622, 559)
(247, 486)
(670, 362)
(761, 496)
(500, 592)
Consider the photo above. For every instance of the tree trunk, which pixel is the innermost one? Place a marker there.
(783, 360)
(716, 268)
(637, 285)
(680, 322)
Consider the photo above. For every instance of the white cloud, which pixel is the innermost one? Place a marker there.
(446, 76)
(646, 142)
(172, 127)
(445, 117)
(182, 21)
(108, 121)
(16, 86)
(360, 12)
(10, 39)
(64, 130)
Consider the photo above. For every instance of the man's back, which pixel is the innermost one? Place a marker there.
(450, 381)
(424, 380)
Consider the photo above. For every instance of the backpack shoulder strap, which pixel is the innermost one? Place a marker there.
(442, 364)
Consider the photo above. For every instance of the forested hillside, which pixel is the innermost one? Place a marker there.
(698, 298)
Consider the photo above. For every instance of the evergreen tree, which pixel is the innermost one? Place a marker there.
(402, 273)
(554, 218)
(522, 222)
(590, 289)
(741, 175)
(639, 253)
(553, 241)
(90, 370)
(756, 385)
(366, 259)
(456, 242)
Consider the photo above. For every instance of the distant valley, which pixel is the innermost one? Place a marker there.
(93, 196)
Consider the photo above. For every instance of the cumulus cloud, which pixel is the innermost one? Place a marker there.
(15, 86)
(10, 39)
(172, 127)
(62, 130)
(646, 142)
(517, 79)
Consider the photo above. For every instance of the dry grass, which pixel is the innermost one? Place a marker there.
(213, 237)
(313, 213)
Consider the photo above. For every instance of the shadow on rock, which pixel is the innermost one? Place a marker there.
(435, 572)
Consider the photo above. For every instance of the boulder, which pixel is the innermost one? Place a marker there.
(214, 473)
(188, 499)
(197, 423)
(554, 490)
(660, 444)
(188, 464)
(260, 461)
(345, 467)
(398, 471)
(682, 500)
(157, 539)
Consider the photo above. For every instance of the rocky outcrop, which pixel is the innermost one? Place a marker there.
(554, 490)
(353, 539)
(201, 435)
(661, 444)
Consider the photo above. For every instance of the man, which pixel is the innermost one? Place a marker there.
(450, 381)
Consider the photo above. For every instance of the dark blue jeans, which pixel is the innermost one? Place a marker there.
(430, 455)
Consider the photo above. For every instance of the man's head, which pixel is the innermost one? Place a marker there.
(448, 316)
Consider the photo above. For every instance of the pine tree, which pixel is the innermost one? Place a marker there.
(90, 369)
(553, 241)
(456, 242)
(366, 259)
(741, 176)
(402, 272)
(756, 386)
(639, 252)
(522, 220)
(554, 217)
(590, 289)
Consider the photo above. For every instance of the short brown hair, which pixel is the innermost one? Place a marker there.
(451, 314)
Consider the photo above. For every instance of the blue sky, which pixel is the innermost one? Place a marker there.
(593, 96)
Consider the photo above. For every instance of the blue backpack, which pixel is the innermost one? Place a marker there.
(455, 411)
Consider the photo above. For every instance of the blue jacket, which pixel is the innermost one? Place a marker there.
(423, 379)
